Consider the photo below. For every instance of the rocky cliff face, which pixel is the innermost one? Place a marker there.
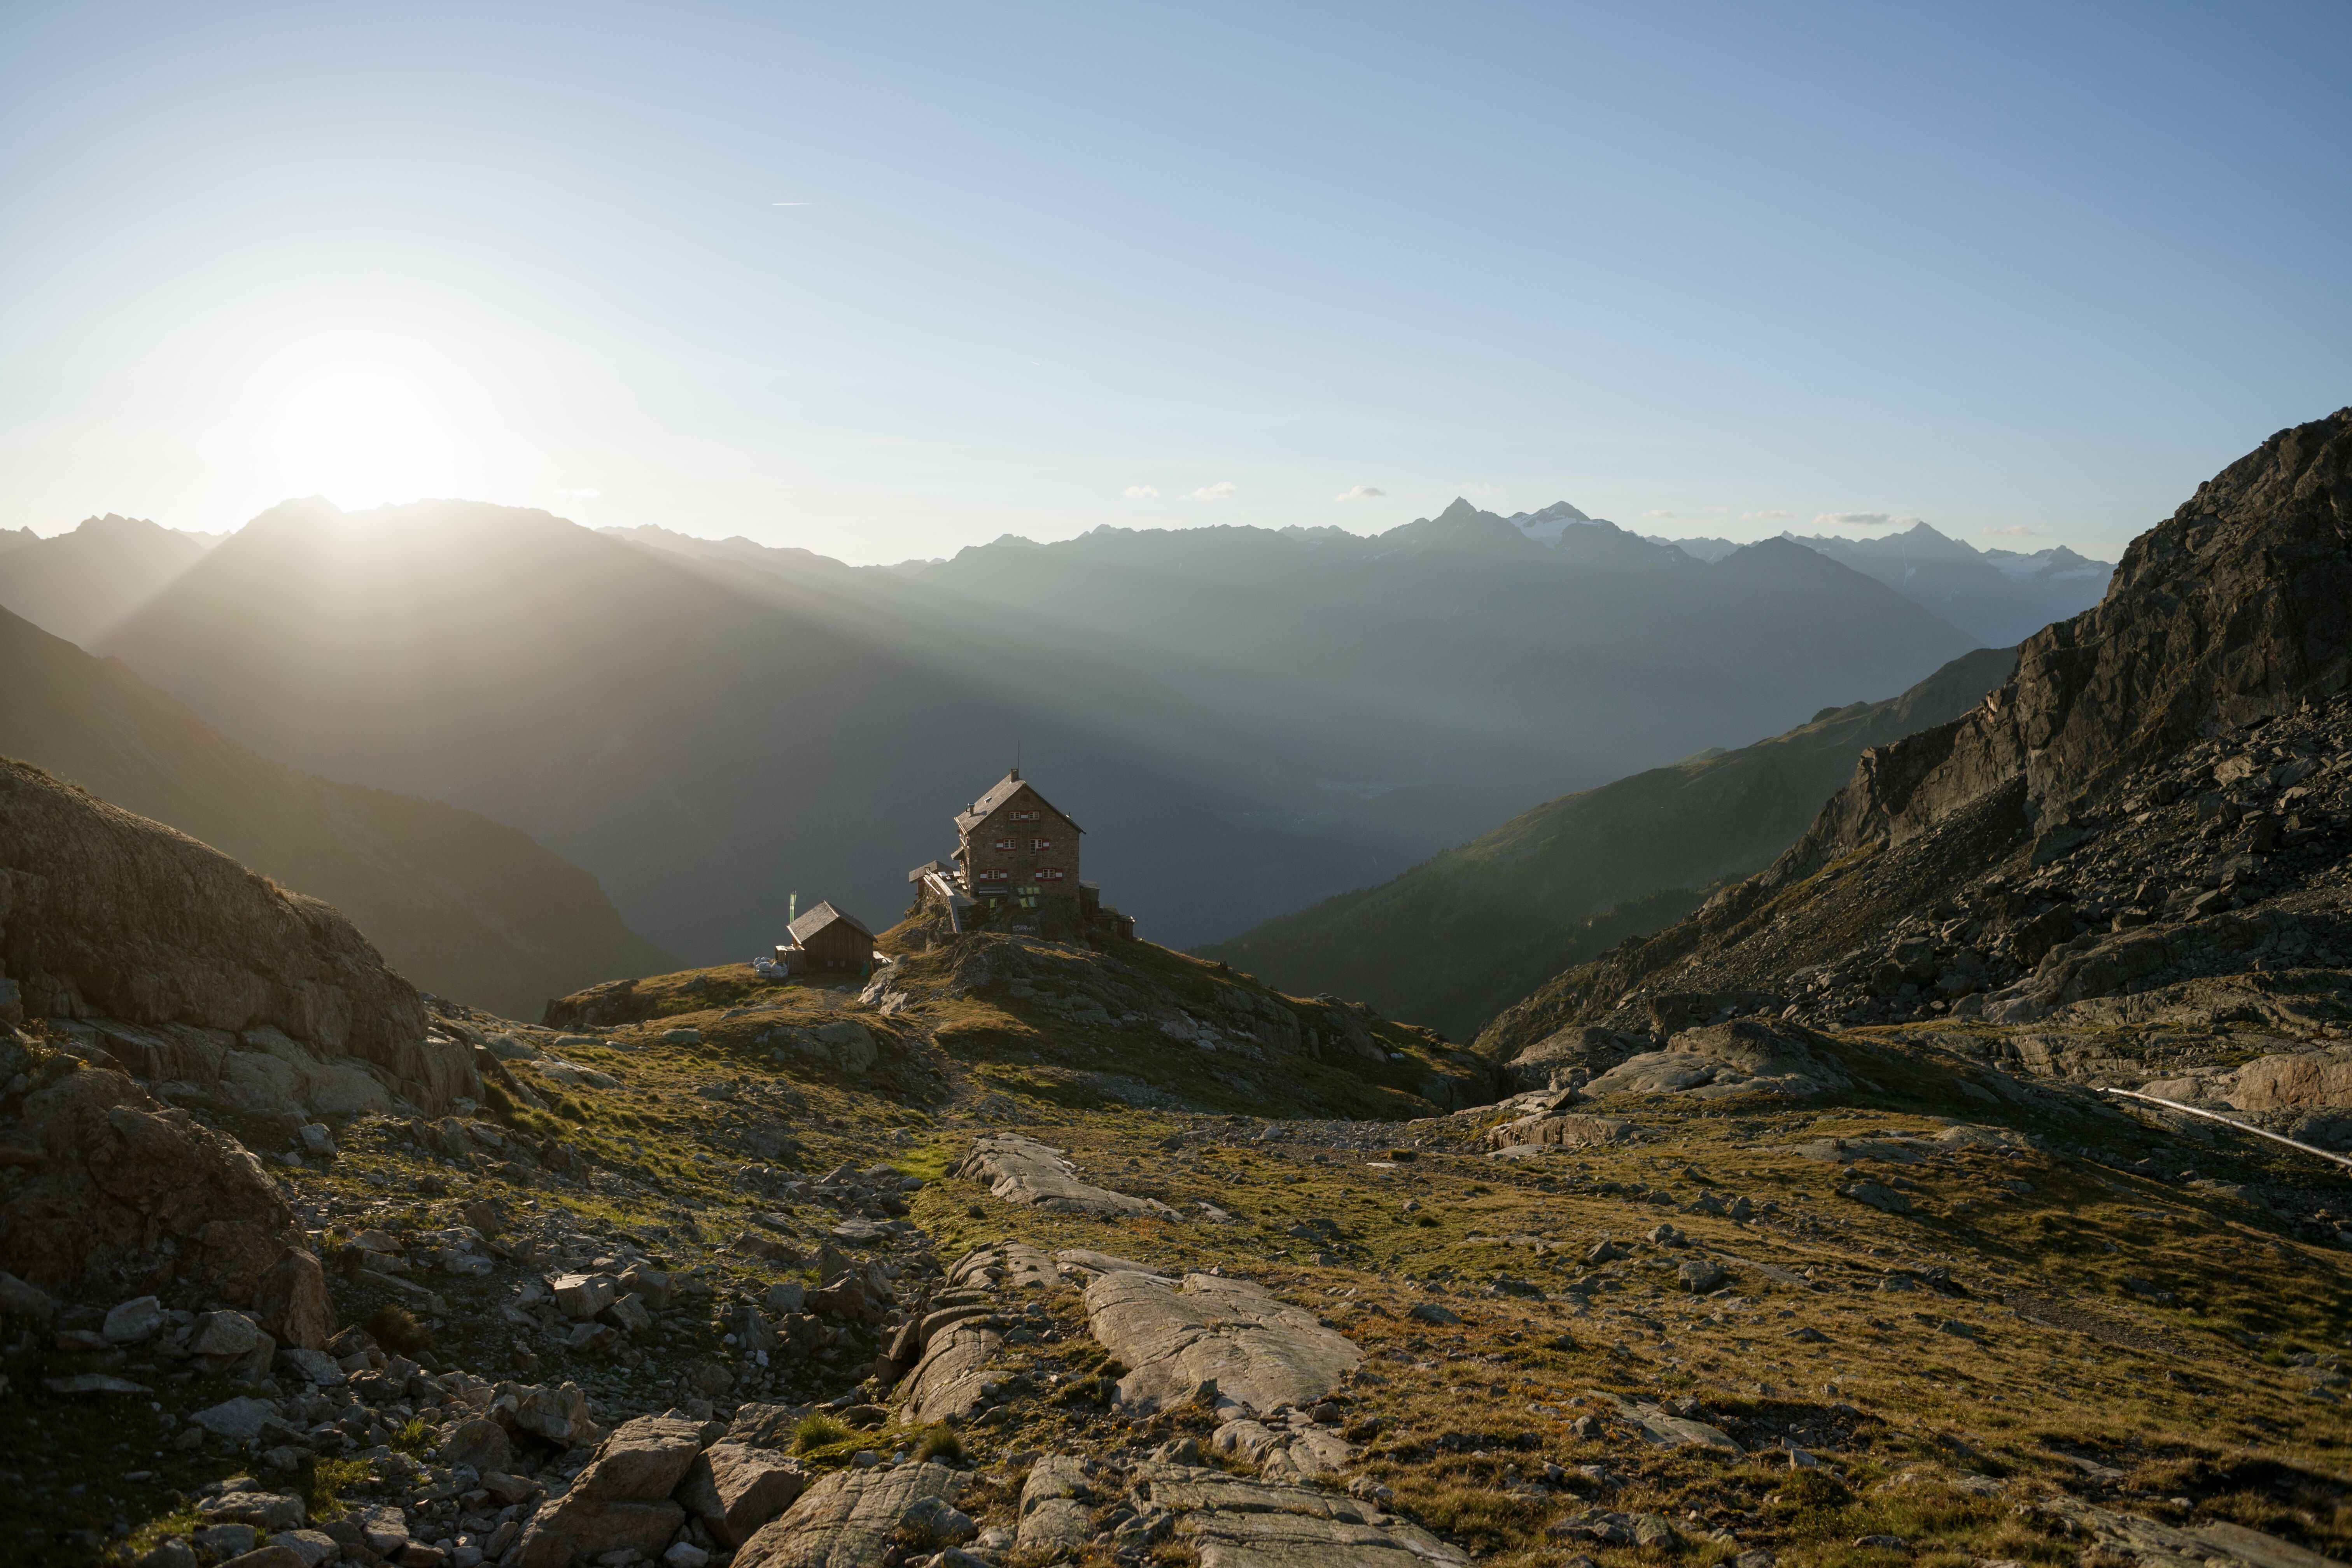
(111, 1195)
(2161, 796)
(2236, 609)
(188, 970)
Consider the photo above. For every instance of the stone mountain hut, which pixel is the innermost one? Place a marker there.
(1017, 856)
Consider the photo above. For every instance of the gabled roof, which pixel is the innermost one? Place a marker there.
(824, 915)
(1005, 789)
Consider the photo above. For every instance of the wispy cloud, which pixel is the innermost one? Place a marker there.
(1862, 520)
(2015, 531)
(1140, 492)
(1658, 515)
(1360, 492)
(582, 494)
(1223, 490)
(1775, 516)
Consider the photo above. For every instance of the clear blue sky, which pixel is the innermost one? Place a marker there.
(2032, 267)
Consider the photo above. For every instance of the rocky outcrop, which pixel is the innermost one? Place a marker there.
(1056, 1505)
(1261, 1355)
(1023, 1171)
(1570, 1056)
(2151, 1543)
(211, 975)
(1666, 1429)
(1231, 1521)
(1559, 1130)
(954, 1344)
(852, 1519)
(130, 1198)
(1749, 1055)
(2290, 1082)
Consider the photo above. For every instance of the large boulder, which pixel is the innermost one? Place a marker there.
(132, 1197)
(558, 1415)
(216, 975)
(292, 1303)
(949, 1381)
(643, 1459)
(734, 1488)
(622, 1501)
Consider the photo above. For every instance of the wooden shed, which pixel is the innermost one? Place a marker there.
(825, 940)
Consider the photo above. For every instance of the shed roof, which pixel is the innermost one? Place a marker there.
(824, 915)
(1005, 789)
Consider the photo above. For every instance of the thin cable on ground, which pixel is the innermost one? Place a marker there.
(2229, 1121)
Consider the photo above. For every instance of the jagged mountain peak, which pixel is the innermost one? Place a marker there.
(111, 522)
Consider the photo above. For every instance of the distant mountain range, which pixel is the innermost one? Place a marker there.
(461, 905)
(1458, 938)
(1245, 720)
(83, 585)
(2001, 596)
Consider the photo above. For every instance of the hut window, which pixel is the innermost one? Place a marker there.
(1039, 846)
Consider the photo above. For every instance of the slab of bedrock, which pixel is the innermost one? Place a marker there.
(964, 1329)
(1023, 1171)
(1235, 1523)
(858, 1519)
(1263, 1355)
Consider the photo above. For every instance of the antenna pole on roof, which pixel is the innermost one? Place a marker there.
(793, 909)
(1017, 759)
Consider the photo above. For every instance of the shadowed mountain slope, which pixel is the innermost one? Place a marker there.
(82, 585)
(461, 905)
(1458, 938)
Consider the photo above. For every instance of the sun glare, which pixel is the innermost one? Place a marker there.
(363, 437)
